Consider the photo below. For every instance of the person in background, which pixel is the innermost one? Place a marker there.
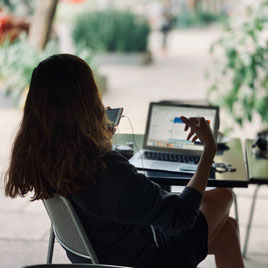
(167, 20)
(63, 147)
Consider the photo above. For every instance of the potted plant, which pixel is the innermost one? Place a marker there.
(240, 74)
(115, 35)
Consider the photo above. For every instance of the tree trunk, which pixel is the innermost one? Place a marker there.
(41, 25)
(197, 6)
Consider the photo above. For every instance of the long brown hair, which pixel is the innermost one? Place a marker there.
(62, 137)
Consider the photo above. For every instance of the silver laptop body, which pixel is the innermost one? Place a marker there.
(165, 138)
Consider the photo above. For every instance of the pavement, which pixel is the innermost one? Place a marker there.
(177, 73)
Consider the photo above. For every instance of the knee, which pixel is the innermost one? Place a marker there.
(227, 195)
(232, 222)
(220, 198)
(232, 225)
(224, 198)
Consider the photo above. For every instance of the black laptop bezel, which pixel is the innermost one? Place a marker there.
(146, 147)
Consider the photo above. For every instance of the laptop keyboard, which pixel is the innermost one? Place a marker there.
(190, 159)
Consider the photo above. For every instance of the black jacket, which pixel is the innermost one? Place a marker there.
(119, 211)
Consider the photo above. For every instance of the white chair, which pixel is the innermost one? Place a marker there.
(73, 266)
(67, 228)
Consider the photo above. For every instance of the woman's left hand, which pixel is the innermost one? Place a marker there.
(111, 128)
(111, 131)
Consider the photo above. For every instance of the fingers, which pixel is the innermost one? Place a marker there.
(195, 120)
(186, 127)
(188, 122)
(111, 130)
(184, 119)
(192, 121)
(194, 124)
(199, 129)
(194, 139)
(190, 135)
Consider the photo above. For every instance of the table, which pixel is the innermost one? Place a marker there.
(258, 174)
(232, 154)
(257, 167)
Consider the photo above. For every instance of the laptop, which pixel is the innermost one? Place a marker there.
(165, 145)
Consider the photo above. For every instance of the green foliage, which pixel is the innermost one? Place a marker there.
(189, 18)
(18, 59)
(17, 62)
(16, 6)
(241, 67)
(112, 30)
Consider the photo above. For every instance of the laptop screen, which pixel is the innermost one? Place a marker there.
(165, 130)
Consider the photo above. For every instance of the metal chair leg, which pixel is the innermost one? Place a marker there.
(250, 219)
(236, 209)
(236, 212)
(50, 245)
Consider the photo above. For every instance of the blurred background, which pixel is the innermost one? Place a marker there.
(142, 51)
(209, 51)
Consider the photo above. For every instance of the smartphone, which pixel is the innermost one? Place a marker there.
(113, 116)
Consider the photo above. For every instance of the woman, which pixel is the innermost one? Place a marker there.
(63, 148)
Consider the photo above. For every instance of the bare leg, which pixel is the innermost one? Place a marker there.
(226, 246)
(216, 206)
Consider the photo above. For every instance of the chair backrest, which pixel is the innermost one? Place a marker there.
(74, 266)
(68, 229)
